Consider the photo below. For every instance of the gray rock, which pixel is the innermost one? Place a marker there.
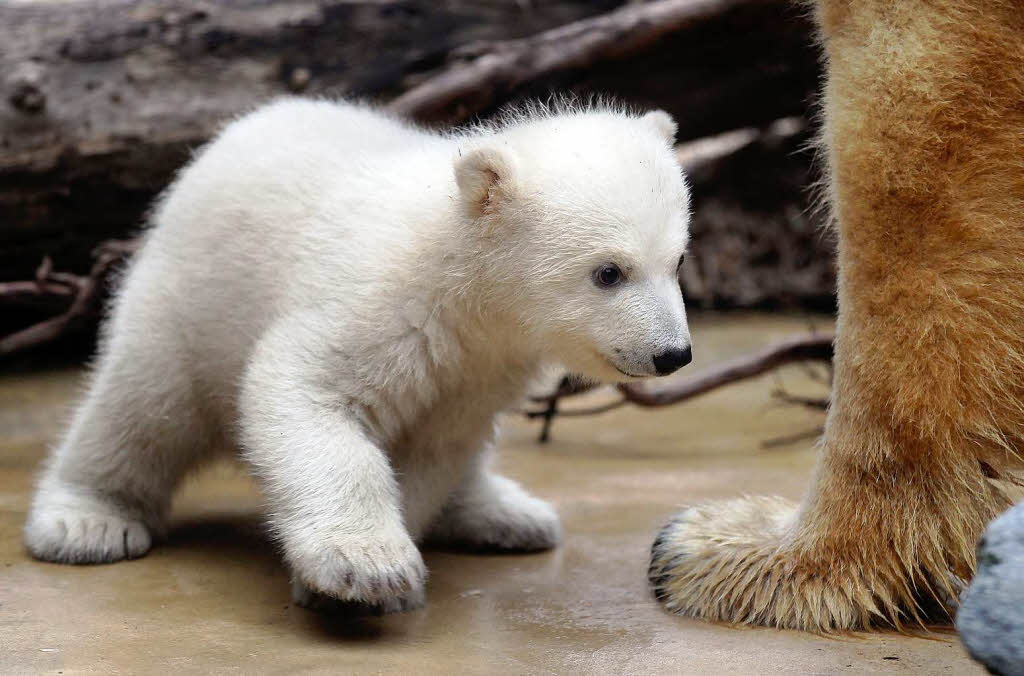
(991, 616)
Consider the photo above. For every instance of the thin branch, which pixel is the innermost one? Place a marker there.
(37, 294)
(576, 412)
(814, 347)
(818, 403)
(793, 438)
(568, 386)
(468, 87)
(698, 154)
(86, 293)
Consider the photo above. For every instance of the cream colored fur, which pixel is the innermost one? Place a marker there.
(350, 300)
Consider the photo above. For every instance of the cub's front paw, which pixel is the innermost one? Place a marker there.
(379, 572)
(306, 598)
(498, 515)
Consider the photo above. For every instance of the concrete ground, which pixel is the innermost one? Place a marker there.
(214, 598)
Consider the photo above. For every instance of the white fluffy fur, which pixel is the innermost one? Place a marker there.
(350, 300)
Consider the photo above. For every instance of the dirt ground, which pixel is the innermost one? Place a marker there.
(214, 598)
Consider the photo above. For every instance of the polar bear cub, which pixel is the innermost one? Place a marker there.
(350, 300)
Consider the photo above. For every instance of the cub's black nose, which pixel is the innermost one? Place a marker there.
(670, 361)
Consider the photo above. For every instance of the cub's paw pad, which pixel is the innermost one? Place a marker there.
(321, 603)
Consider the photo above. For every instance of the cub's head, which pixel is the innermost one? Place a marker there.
(582, 220)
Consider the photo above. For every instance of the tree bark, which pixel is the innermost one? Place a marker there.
(500, 68)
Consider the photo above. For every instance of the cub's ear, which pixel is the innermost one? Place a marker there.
(663, 123)
(484, 176)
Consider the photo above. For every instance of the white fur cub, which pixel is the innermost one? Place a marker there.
(350, 300)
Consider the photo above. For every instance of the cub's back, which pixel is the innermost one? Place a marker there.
(255, 226)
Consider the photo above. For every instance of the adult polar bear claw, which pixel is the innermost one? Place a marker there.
(922, 131)
(350, 300)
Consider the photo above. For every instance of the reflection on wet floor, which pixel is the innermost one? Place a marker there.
(214, 598)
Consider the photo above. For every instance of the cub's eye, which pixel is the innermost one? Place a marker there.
(607, 275)
(682, 259)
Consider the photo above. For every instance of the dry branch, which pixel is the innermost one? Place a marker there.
(501, 67)
(799, 348)
(815, 403)
(707, 153)
(778, 442)
(812, 347)
(85, 294)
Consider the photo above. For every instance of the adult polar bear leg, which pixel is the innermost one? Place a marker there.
(492, 512)
(333, 499)
(923, 128)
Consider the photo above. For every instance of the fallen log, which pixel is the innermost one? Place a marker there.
(499, 69)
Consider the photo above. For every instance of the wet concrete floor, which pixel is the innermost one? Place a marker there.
(214, 598)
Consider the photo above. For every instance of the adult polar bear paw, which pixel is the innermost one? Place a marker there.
(381, 572)
(738, 562)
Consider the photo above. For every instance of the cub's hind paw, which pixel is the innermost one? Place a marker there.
(498, 516)
(84, 534)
